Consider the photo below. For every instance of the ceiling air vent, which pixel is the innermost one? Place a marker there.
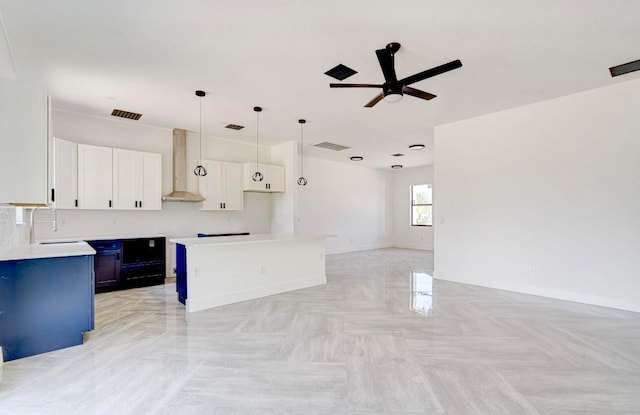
(625, 68)
(126, 114)
(340, 72)
(234, 126)
(331, 146)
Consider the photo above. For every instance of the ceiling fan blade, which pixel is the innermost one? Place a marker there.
(375, 100)
(385, 57)
(417, 93)
(355, 86)
(432, 72)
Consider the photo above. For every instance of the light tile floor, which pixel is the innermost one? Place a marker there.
(377, 339)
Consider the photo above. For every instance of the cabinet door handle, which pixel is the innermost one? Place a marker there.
(118, 256)
(224, 205)
(220, 205)
(76, 202)
(140, 203)
(53, 195)
(136, 203)
(109, 203)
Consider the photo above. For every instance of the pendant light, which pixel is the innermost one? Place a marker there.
(200, 169)
(257, 176)
(301, 180)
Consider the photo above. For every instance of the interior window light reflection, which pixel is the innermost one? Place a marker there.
(421, 293)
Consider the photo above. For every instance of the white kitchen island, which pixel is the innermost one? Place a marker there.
(229, 269)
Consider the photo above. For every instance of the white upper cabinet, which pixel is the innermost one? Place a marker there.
(126, 166)
(276, 178)
(272, 181)
(65, 174)
(24, 134)
(222, 186)
(151, 193)
(95, 177)
(136, 180)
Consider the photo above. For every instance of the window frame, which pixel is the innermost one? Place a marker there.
(414, 204)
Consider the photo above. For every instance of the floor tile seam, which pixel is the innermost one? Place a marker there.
(521, 397)
(174, 390)
(589, 342)
(127, 326)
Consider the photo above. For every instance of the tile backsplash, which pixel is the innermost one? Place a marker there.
(7, 226)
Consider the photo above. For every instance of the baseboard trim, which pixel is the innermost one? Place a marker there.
(357, 248)
(412, 246)
(555, 294)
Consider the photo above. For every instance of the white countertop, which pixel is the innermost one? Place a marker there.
(102, 238)
(36, 251)
(245, 239)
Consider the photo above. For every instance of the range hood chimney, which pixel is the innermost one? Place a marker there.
(180, 193)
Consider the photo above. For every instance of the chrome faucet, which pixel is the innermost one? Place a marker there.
(32, 222)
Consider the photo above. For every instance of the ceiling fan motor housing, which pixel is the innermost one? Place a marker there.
(392, 89)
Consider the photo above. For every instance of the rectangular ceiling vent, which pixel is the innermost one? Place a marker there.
(234, 126)
(625, 68)
(340, 72)
(126, 114)
(331, 146)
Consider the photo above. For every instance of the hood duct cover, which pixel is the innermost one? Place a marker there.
(180, 193)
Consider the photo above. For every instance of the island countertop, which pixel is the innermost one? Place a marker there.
(245, 239)
(53, 250)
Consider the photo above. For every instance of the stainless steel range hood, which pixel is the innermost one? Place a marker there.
(180, 193)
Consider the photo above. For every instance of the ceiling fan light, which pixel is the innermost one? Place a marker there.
(417, 147)
(393, 97)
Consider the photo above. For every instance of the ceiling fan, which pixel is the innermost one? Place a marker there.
(392, 88)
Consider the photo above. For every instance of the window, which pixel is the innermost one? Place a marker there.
(421, 205)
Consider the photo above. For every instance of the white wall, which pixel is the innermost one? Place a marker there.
(7, 67)
(284, 204)
(351, 202)
(553, 185)
(404, 235)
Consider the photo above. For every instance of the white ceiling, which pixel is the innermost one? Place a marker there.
(149, 56)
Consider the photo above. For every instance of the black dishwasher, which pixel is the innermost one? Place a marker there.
(107, 264)
(143, 262)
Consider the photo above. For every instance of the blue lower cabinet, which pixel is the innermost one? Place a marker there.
(181, 273)
(181, 264)
(45, 304)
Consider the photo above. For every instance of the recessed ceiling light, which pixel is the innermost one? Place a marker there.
(357, 158)
(417, 146)
(396, 166)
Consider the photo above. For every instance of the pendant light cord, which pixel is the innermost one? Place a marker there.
(302, 181)
(301, 149)
(200, 155)
(257, 138)
(200, 170)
